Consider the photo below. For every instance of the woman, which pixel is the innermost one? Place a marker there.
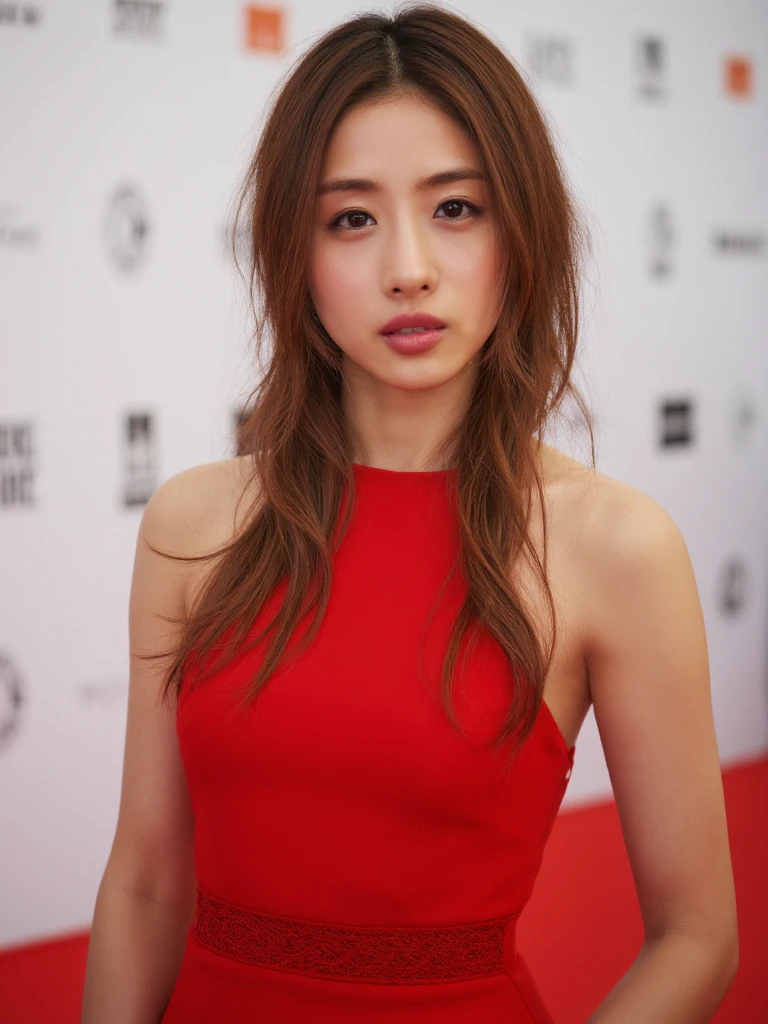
(391, 612)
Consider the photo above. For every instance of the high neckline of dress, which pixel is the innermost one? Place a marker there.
(364, 470)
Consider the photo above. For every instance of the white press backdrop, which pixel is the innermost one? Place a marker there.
(123, 349)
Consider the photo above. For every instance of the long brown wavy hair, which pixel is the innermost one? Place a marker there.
(294, 433)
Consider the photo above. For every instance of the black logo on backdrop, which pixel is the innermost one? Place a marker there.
(742, 418)
(26, 15)
(738, 243)
(17, 469)
(140, 460)
(140, 18)
(661, 239)
(552, 59)
(733, 587)
(11, 700)
(651, 67)
(676, 423)
(14, 233)
(126, 228)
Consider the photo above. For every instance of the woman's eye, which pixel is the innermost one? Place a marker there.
(355, 216)
(352, 214)
(453, 203)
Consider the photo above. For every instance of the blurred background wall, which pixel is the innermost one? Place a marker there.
(125, 358)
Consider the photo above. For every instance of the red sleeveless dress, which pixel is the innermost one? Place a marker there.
(358, 859)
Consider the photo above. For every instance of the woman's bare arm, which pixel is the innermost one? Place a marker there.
(649, 679)
(145, 902)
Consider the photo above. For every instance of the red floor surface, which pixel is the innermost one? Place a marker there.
(579, 934)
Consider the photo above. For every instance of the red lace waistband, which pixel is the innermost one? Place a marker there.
(408, 955)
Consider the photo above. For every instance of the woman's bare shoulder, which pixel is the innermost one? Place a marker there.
(196, 512)
(204, 505)
(593, 500)
(612, 531)
(605, 525)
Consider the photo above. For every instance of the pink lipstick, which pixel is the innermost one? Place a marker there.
(413, 332)
(418, 341)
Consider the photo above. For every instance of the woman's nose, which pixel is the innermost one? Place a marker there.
(408, 261)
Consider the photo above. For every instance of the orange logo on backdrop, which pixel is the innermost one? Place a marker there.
(738, 76)
(264, 28)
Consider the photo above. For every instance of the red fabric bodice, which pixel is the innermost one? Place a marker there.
(357, 858)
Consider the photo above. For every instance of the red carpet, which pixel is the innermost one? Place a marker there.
(579, 934)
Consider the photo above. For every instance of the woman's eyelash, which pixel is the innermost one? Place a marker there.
(336, 222)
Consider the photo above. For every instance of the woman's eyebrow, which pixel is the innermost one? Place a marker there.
(433, 181)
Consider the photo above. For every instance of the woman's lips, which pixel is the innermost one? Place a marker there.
(415, 341)
(415, 319)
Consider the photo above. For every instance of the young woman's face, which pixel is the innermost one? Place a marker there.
(400, 248)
